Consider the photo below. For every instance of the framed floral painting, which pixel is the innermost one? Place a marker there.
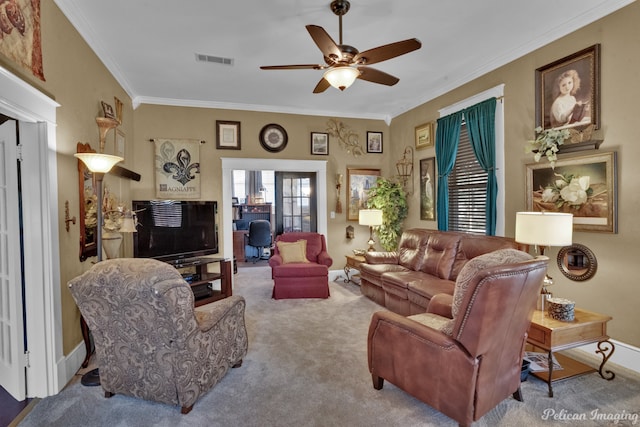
(585, 186)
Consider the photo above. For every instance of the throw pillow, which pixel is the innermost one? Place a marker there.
(293, 251)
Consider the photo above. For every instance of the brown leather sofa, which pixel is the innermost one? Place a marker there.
(465, 364)
(426, 263)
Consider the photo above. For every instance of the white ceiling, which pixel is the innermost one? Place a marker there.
(150, 47)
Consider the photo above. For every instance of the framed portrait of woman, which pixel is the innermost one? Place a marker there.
(568, 91)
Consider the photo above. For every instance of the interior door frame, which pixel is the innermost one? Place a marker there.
(313, 199)
(36, 116)
(229, 164)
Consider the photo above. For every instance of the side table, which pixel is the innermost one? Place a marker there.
(353, 262)
(554, 335)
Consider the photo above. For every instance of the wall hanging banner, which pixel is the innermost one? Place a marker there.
(20, 34)
(177, 165)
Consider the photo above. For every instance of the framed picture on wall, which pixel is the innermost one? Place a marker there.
(319, 143)
(424, 135)
(568, 91)
(374, 142)
(583, 185)
(428, 189)
(359, 182)
(227, 135)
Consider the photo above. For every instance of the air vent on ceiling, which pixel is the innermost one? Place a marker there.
(213, 59)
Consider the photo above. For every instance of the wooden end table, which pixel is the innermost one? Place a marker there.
(554, 335)
(353, 262)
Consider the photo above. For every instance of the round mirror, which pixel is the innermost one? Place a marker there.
(577, 262)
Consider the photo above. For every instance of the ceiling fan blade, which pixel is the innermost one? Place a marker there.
(388, 51)
(327, 46)
(376, 76)
(294, 67)
(322, 85)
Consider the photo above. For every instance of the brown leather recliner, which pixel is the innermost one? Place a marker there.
(465, 365)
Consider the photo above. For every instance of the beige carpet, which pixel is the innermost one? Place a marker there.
(307, 366)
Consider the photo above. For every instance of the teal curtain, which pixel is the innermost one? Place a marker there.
(447, 138)
(481, 125)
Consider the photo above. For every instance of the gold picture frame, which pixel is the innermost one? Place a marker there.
(359, 182)
(424, 135)
(585, 186)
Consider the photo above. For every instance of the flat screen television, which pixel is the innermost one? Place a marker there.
(171, 230)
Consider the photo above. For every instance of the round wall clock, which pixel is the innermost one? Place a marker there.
(273, 138)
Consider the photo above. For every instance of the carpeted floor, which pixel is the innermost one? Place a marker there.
(307, 366)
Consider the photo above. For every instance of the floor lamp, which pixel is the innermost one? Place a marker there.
(98, 164)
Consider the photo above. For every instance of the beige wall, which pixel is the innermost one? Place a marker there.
(79, 81)
(614, 289)
(154, 121)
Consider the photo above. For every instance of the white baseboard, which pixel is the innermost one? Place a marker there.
(72, 363)
(624, 355)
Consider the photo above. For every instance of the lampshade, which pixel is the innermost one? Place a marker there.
(370, 217)
(544, 228)
(98, 162)
(341, 77)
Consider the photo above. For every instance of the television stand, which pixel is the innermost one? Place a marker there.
(196, 273)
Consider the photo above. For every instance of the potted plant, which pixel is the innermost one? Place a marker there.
(547, 143)
(389, 197)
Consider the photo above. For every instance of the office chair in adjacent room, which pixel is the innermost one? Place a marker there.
(259, 237)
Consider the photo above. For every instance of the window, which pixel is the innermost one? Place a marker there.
(467, 190)
(498, 93)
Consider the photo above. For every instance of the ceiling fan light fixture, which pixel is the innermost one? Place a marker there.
(341, 77)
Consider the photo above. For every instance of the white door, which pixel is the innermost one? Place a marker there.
(12, 360)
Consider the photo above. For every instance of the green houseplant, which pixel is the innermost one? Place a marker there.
(390, 198)
(547, 143)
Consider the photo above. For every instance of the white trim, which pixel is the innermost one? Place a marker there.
(40, 215)
(229, 164)
(624, 355)
(494, 92)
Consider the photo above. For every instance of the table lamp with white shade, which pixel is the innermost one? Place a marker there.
(544, 229)
(372, 218)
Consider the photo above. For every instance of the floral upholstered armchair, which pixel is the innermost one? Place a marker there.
(150, 341)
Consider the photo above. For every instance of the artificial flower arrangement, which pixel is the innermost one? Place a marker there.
(112, 211)
(547, 143)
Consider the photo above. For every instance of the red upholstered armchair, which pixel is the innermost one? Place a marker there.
(466, 360)
(292, 276)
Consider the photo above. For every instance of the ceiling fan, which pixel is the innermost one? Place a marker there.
(344, 63)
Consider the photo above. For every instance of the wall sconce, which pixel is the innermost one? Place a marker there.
(404, 167)
(338, 185)
(350, 233)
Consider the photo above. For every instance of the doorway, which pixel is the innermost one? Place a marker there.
(318, 167)
(296, 202)
(35, 114)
